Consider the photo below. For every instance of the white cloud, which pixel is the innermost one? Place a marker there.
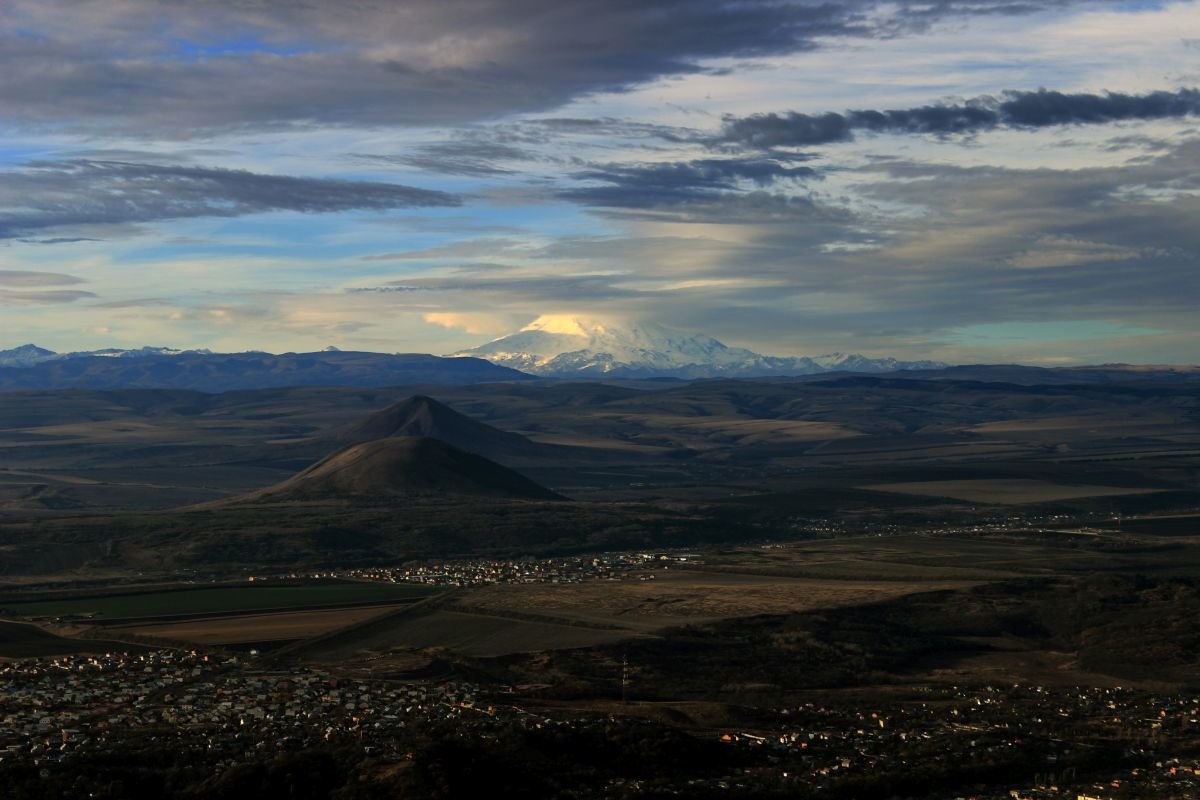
(474, 323)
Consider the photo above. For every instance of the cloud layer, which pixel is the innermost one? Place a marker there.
(184, 70)
(1016, 109)
(678, 183)
(49, 194)
(920, 179)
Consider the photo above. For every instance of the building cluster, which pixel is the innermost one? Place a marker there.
(482, 572)
(1060, 739)
(50, 708)
(1041, 743)
(962, 524)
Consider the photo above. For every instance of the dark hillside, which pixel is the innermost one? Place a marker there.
(402, 466)
(222, 372)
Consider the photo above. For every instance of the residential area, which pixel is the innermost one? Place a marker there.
(1049, 742)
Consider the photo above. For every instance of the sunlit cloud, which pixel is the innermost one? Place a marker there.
(795, 177)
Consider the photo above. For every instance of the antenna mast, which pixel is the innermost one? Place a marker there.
(625, 679)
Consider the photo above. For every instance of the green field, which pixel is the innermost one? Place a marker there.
(224, 599)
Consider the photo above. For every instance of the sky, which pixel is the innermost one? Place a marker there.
(962, 180)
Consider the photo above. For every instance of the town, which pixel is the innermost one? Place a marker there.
(483, 572)
(1036, 742)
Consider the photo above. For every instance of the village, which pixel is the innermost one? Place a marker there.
(1108, 743)
(1059, 738)
(623, 565)
(51, 708)
(470, 572)
(483, 572)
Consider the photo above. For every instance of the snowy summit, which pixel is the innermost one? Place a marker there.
(563, 345)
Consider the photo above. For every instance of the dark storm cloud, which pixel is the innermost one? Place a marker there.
(677, 183)
(1043, 108)
(1039, 109)
(48, 194)
(186, 69)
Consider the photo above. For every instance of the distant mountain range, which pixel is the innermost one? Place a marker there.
(27, 355)
(32, 367)
(564, 346)
(555, 346)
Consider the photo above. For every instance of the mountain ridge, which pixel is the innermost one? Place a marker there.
(560, 345)
(221, 372)
(28, 355)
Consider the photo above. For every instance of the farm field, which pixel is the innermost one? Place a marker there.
(278, 627)
(743, 583)
(713, 587)
(1188, 525)
(217, 600)
(688, 597)
(934, 558)
(18, 640)
(1005, 491)
(479, 635)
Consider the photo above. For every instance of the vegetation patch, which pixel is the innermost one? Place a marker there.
(226, 599)
(1005, 491)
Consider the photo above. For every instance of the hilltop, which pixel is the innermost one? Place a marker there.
(422, 416)
(400, 467)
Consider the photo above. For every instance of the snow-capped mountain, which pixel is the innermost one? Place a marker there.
(140, 352)
(25, 356)
(29, 354)
(565, 345)
(166, 368)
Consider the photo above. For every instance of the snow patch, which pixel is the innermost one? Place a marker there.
(563, 345)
